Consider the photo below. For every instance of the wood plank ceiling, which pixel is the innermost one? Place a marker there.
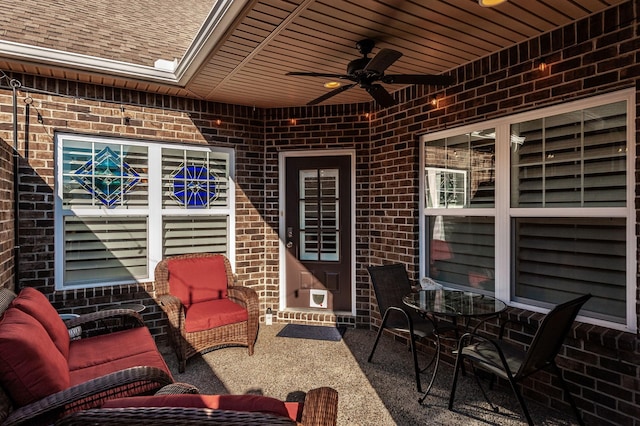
(271, 37)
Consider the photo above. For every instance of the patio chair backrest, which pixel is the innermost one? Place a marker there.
(550, 336)
(390, 284)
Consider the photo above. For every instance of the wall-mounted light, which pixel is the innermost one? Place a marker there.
(434, 101)
(541, 64)
(293, 121)
(218, 122)
(490, 3)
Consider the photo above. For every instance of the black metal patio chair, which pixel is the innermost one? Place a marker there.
(513, 364)
(390, 284)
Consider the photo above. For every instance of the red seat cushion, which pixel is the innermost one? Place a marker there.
(198, 279)
(212, 314)
(96, 356)
(249, 403)
(31, 367)
(36, 304)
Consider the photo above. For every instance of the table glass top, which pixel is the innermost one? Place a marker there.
(454, 303)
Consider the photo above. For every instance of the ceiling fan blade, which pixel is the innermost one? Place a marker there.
(382, 60)
(330, 94)
(381, 95)
(434, 80)
(318, 74)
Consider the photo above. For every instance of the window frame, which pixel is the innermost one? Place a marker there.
(154, 212)
(504, 213)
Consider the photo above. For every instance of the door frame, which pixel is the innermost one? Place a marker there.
(282, 156)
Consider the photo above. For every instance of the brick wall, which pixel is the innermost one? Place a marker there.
(6, 190)
(107, 111)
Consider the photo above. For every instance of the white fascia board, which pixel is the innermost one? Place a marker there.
(75, 61)
(222, 18)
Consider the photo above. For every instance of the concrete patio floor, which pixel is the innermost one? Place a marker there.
(378, 393)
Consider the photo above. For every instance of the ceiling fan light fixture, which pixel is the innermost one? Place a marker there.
(490, 3)
(332, 84)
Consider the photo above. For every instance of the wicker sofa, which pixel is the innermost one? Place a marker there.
(44, 374)
(204, 306)
(319, 408)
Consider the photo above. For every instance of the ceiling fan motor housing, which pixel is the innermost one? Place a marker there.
(365, 46)
(357, 65)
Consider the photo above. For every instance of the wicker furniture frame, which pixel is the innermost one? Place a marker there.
(187, 344)
(90, 394)
(320, 409)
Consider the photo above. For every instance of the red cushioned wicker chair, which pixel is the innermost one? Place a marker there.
(204, 307)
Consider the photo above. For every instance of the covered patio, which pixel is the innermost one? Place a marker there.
(165, 94)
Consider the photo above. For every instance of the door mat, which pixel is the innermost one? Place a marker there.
(314, 332)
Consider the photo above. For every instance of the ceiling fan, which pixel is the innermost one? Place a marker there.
(365, 72)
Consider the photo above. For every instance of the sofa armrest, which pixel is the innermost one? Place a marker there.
(106, 321)
(178, 388)
(93, 393)
(170, 416)
(320, 407)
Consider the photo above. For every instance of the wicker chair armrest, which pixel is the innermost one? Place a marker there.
(174, 309)
(244, 296)
(320, 407)
(170, 416)
(169, 302)
(126, 315)
(128, 382)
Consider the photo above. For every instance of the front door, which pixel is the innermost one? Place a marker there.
(317, 232)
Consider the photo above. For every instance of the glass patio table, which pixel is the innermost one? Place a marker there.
(455, 304)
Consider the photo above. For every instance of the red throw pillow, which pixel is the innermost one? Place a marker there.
(198, 279)
(36, 304)
(31, 367)
(249, 403)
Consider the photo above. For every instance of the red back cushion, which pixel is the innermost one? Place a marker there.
(250, 403)
(36, 304)
(31, 367)
(197, 279)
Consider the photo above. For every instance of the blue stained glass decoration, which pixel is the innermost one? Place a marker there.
(194, 186)
(107, 177)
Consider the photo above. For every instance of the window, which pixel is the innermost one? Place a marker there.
(546, 210)
(123, 205)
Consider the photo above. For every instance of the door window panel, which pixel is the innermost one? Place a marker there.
(319, 212)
